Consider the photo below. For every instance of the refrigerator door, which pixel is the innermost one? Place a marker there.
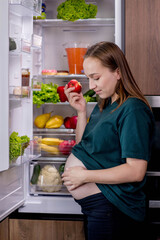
(4, 106)
(16, 27)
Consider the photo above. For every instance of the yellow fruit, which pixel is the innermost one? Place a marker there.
(40, 121)
(51, 141)
(49, 149)
(54, 122)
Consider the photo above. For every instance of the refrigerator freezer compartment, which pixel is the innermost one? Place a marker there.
(20, 153)
(45, 178)
(17, 92)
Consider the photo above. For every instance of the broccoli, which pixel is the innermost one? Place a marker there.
(73, 10)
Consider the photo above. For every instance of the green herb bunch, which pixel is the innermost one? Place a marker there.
(73, 10)
(47, 94)
(17, 146)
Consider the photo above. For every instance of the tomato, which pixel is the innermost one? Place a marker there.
(74, 83)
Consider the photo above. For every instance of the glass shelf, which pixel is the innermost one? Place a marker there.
(101, 22)
(52, 131)
(62, 76)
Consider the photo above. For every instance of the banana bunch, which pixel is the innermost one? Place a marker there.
(50, 145)
(51, 141)
(50, 149)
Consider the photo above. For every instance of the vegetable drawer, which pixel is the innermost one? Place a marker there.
(45, 178)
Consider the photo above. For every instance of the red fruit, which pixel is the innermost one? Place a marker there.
(70, 122)
(74, 83)
(74, 122)
(62, 95)
(67, 122)
(65, 147)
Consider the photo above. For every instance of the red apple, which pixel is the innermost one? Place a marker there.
(74, 122)
(65, 147)
(70, 122)
(74, 83)
(67, 122)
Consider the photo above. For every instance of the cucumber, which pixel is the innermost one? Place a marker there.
(61, 168)
(35, 175)
(89, 93)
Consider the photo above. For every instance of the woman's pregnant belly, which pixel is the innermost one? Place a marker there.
(84, 190)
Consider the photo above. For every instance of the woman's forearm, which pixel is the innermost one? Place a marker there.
(81, 124)
(132, 171)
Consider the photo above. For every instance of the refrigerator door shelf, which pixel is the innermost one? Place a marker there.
(11, 190)
(18, 92)
(26, 7)
(23, 152)
(22, 45)
(36, 41)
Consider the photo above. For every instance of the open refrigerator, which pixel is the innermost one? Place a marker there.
(29, 45)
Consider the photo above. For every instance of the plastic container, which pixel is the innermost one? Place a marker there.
(75, 54)
(47, 179)
(23, 152)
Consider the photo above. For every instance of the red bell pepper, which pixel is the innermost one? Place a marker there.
(62, 95)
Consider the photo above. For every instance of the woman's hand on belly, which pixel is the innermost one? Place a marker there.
(74, 177)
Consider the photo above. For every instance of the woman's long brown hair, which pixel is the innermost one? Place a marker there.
(111, 56)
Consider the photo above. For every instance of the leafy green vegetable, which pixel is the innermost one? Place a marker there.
(17, 145)
(90, 93)
(48, 94)
(73, 10)
(90, 99)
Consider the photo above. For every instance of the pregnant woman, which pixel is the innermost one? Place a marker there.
(106, 170)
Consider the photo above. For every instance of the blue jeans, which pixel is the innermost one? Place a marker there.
(106, 222)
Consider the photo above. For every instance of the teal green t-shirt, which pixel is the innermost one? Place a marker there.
(109, 138)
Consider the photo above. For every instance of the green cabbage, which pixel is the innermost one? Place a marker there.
(73, 10)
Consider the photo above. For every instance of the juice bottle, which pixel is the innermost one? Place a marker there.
(75, 59)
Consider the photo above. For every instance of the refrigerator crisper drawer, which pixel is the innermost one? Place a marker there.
(55, 144)
(45, 178)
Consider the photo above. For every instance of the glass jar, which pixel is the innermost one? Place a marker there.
(25, 77)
